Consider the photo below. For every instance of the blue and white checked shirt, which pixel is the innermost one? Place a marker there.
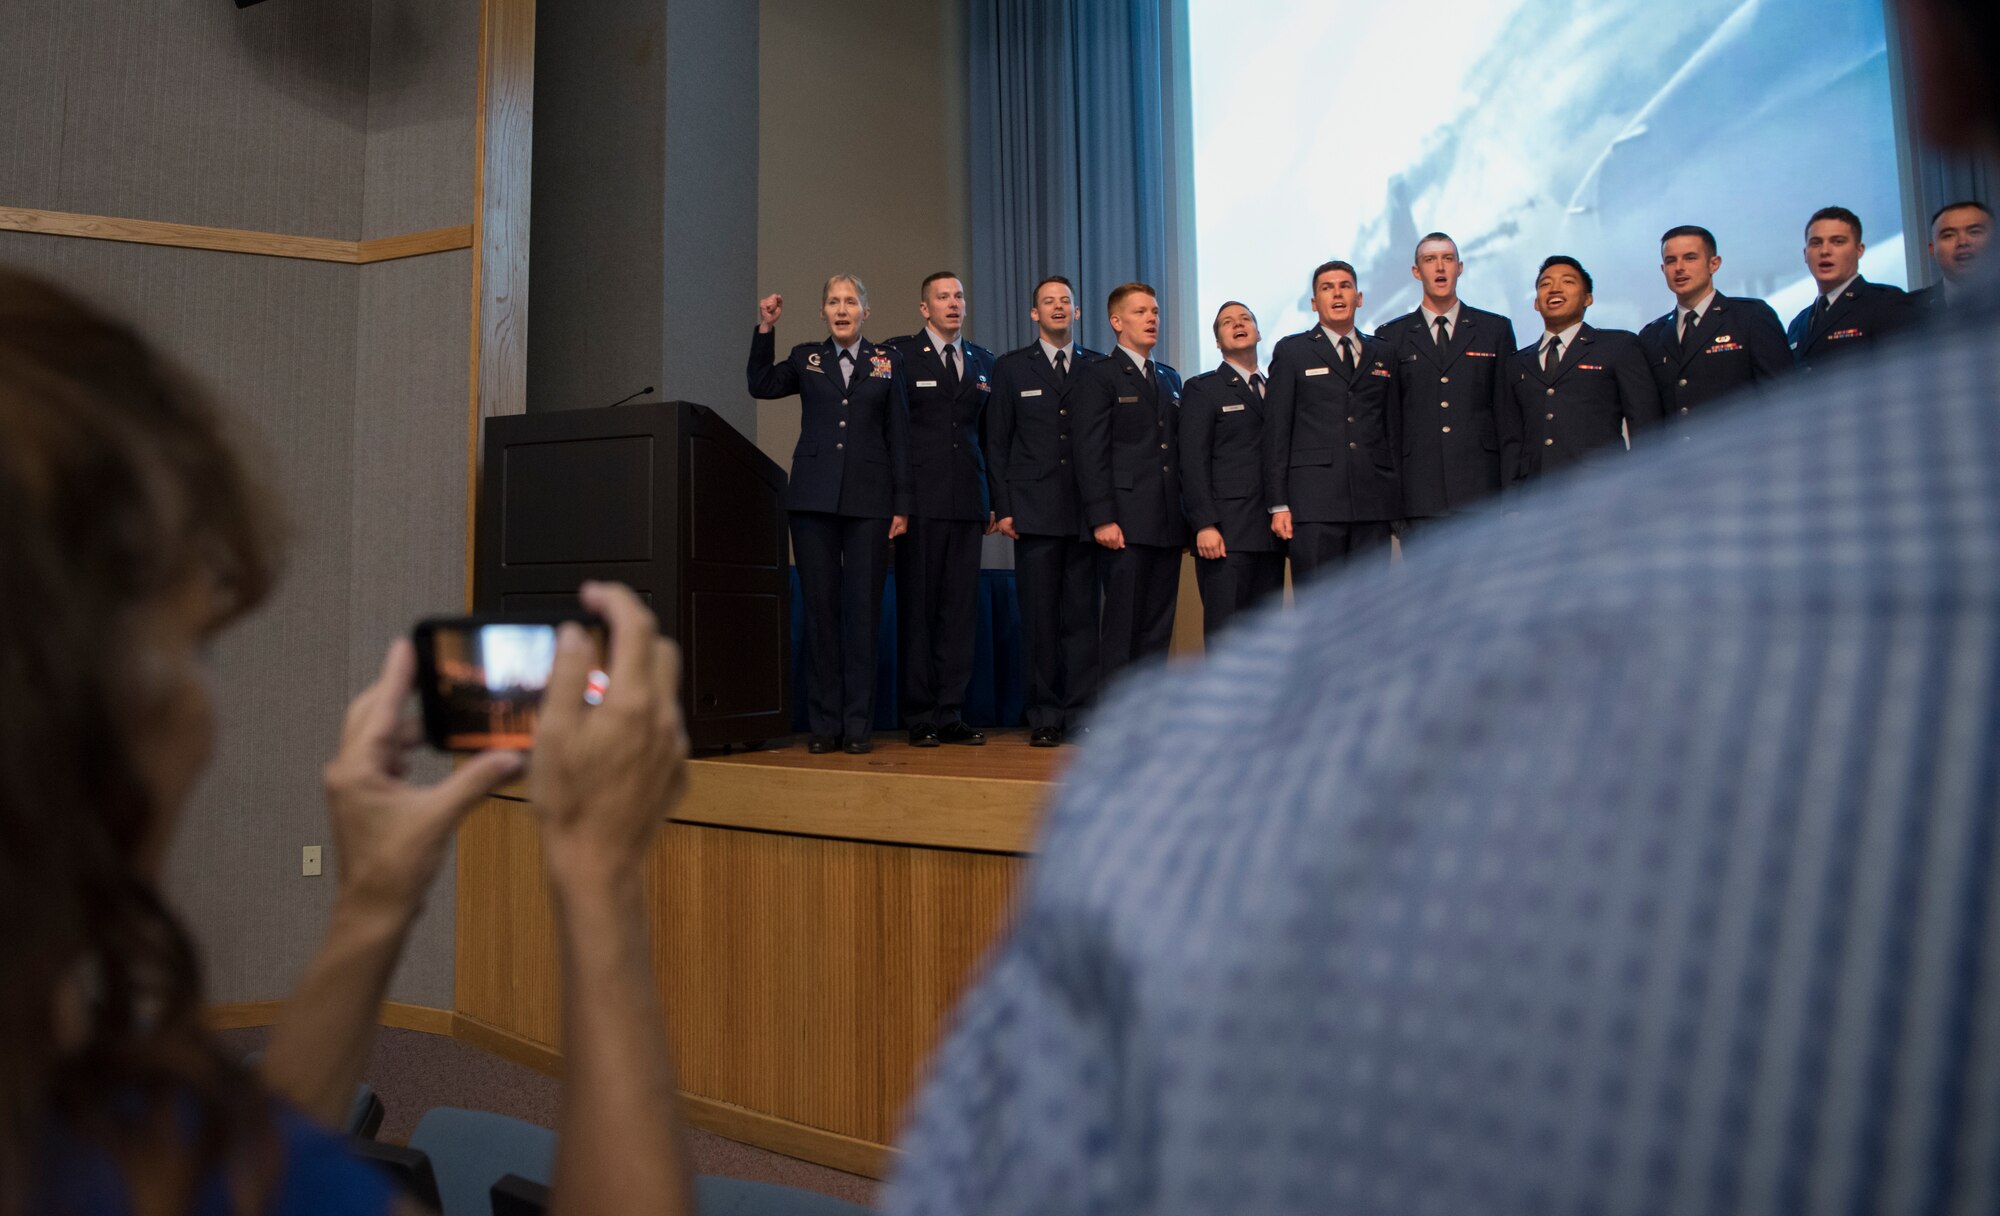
(1630, 854)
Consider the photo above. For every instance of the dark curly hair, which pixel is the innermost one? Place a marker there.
(117, 486)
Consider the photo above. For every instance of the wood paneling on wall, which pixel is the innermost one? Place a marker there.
(806, 979)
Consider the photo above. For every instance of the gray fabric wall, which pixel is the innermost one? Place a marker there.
(339, 118)
(187, 111)
(881, 195)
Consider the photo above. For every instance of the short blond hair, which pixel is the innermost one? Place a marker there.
(860, 288)
(1119, 293)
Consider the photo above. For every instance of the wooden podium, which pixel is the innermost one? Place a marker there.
(672, 501)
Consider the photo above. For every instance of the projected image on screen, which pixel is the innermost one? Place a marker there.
(1531, 127)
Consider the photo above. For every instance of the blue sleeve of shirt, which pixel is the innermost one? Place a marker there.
(316, 1176)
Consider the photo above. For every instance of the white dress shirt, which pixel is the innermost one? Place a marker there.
(1450, 320)
(1568, 337)
(956, 346)
(1353, 335)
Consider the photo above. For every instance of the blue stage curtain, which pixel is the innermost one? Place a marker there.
(1072, 148)
(998, 692)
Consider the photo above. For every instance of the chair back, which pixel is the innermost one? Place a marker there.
(470, 1150)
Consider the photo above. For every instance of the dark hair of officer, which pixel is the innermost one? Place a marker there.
(924, 291)
(1973, 203)
(1216, 324)
(1035, 296)
(1563, 259)
(1325, 267)
(1841, 214)
(1694, 230)
(119, 492)
(1119, 293)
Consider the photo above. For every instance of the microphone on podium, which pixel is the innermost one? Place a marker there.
(622, 400)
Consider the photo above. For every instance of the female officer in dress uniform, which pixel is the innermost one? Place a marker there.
(849, 497)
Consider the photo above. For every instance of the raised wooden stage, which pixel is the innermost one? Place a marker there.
(814, 919)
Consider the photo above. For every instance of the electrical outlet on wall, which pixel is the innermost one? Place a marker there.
(309, 862)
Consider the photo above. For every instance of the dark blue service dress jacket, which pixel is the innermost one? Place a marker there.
(853, 454)
(946, 461)
(1128, 451)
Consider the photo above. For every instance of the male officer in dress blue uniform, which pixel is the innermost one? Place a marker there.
(1959, 232)
(848, 497)
(1031, 470)
(1238, 562)
(1128, 478)
(947, 380)
(1333, 433)
(1849, 314)
(1710, 346)
(1577, 389)
(1450, 381)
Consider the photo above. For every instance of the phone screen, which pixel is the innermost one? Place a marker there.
(482, 681)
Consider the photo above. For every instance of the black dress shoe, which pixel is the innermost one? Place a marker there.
(1045, 736)
(857, 747)
(822, 744)
(923, 734)
(959, 732)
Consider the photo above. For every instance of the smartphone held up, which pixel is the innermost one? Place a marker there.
(481, 678)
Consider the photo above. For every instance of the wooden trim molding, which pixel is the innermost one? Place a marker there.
(412, 244)
(813, 1144)
(242, 1014)
(395, 1014)
(724, 1119)
(234, 240)
(991, 816)
(988, 814)
(398, 1016)
(517, 1049)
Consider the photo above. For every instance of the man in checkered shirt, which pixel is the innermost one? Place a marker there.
(1665, 881)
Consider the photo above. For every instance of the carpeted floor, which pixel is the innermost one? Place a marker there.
(413, 1072)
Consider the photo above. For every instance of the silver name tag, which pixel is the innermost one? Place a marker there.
(1031, 392)
(1128, 401)
(1318, 371)
(926, 384)
(1230, 409)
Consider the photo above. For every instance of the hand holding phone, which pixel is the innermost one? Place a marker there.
(390, 836)
(605, 780)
